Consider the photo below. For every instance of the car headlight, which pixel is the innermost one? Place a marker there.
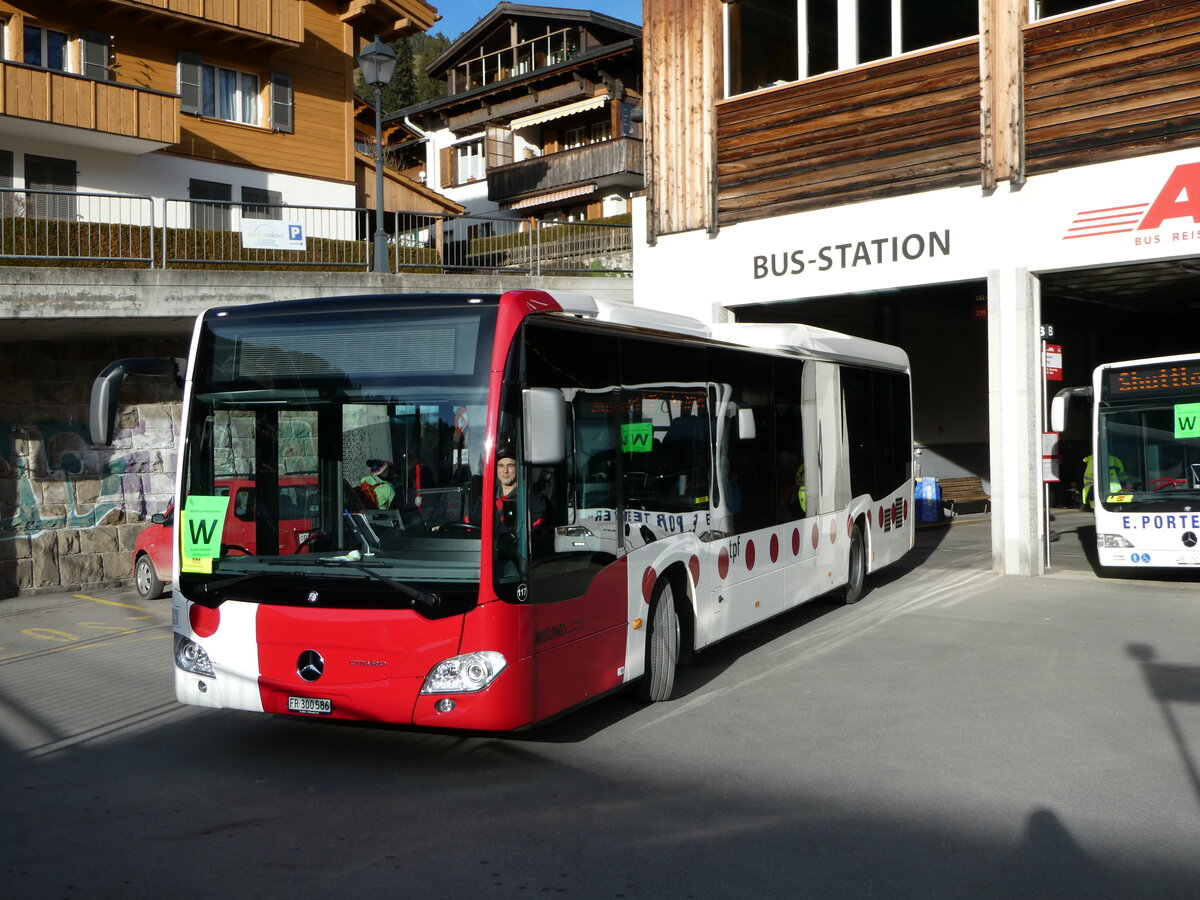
(1112, 540)
(464, 674)
(191, 657)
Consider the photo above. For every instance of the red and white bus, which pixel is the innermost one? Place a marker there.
(677, 483)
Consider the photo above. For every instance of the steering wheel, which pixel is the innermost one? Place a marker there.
(229, 548)
(459, 526)
(303, 545)
(1161, 484)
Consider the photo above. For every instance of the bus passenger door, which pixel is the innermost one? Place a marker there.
(831, 478)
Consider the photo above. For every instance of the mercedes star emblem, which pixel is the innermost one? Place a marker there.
(310, 666)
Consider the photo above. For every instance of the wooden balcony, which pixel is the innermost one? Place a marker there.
(615, 162)
(72, 109)
(269, 21)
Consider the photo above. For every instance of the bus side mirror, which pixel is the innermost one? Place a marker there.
(545, 426)
(106, 390)
(745, 421)
(1058, 406)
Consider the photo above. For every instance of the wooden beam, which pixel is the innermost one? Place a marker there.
(1001, 86)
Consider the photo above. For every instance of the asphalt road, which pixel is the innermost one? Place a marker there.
(955, 734)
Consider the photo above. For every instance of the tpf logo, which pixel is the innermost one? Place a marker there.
(1178, 199)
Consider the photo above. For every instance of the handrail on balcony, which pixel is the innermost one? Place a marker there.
(519, 59)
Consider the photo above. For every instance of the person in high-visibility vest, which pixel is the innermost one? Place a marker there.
(1116, 478)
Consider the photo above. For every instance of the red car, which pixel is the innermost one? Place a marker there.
(298, 505)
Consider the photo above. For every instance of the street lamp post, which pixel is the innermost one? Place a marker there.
(377, 62)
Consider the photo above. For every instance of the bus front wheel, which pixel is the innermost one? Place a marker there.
(662, 645)
(857, 574)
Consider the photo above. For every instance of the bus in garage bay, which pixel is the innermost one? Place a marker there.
(567, 496)
(1143, 475)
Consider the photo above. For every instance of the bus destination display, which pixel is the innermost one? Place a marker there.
(1161, 379)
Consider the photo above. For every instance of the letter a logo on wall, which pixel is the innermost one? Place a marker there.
(1179, 198)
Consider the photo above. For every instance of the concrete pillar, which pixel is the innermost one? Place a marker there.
(1014, 419)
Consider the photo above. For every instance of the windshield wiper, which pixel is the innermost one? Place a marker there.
(426, 598)
(213, 586)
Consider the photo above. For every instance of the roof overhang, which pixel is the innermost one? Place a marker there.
(389, 18)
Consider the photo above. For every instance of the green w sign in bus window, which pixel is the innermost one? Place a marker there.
(637, 437)
(1187, 420)
(203, 522)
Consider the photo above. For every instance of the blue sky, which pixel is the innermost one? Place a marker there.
(459, 15)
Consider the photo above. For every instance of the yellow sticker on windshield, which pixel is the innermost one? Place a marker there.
(201, 565)
(1120, 498)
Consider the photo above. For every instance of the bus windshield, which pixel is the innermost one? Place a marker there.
(345, 441)
(1146, 461)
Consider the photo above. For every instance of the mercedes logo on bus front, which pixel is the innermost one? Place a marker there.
(1189, 539)
(310, 666)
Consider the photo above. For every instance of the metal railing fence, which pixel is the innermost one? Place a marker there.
(197, 233)
(68, 225)
(47, 227)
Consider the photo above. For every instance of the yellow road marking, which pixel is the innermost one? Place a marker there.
(110, 602)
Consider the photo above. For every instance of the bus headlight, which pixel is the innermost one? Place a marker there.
(191, 657)
(464, 674)
(1113, 540)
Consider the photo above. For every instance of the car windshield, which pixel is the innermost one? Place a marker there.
(333, 433)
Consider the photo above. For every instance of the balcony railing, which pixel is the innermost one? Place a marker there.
(44, 228)
(61, 98)
(528, 56)
(622, 156)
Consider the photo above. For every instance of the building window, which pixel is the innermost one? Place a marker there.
(217, 92)
(259, 203)
(56, 177)
(601, 131)
(1046, 8)
(7, 198)
(771, 42)
(282, 113)
(229, 95)
(470, 162)
(214, 214)
(574, 137)
(45, 48)
(95, 55)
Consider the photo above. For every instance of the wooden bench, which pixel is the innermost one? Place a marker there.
(964, 490)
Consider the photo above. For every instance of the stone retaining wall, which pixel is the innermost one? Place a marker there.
(70, 512)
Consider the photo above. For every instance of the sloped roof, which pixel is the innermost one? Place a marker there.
(464, 46)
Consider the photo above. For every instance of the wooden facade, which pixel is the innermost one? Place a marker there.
(683, 56)
(310, 43)
(281, 20)
(1112, 81)
(65, 99)
(898, 126)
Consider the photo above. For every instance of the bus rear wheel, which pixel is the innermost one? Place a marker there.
(662, 646)
(857, 575)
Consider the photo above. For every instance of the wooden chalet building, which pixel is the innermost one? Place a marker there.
(960, 177)
(237, 106)
(538, 120)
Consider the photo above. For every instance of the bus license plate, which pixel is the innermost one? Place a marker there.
(313, 706)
